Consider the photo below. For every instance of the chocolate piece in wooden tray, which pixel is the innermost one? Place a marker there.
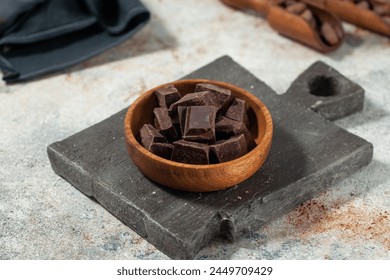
(198, 120)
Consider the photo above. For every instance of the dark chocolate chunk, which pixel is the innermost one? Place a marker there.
(181, 112)
(164, 124)
(226, 150)
(167, 96)
(200, 124)
(148, 135)
(174, 117)
(163, 150)
(221, 95)
(225, 128)
(203, 98)
(237, 111)
(191, 122)
(190, 152)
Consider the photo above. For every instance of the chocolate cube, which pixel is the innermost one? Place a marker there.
(226, 128)
(220, 95)
(226, 150)
(190, 152)
(163, 150)
(200, 124)
(174, 117)
(182, 112)
(148, 135)
(163, 123)
(167, 96)
(203, 98)
(237, 111)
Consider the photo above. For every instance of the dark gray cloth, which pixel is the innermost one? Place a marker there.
(42, 36)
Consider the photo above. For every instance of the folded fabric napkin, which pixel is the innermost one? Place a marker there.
(38, 37)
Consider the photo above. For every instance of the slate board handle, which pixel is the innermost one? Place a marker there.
(327, 92)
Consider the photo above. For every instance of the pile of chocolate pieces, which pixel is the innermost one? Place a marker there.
(204, 127)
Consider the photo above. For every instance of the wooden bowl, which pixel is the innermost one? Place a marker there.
(191, 177)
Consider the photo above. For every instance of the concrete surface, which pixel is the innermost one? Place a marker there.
(43, 217)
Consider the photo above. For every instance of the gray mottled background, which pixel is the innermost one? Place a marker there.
(43, 217)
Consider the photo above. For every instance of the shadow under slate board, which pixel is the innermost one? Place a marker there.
(308, 154)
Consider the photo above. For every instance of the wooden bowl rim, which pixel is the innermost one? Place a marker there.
(264, 142)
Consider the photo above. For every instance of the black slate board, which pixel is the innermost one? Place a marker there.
(308, 154)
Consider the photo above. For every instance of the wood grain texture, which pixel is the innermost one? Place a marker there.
(190, 177)
(308, 154)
